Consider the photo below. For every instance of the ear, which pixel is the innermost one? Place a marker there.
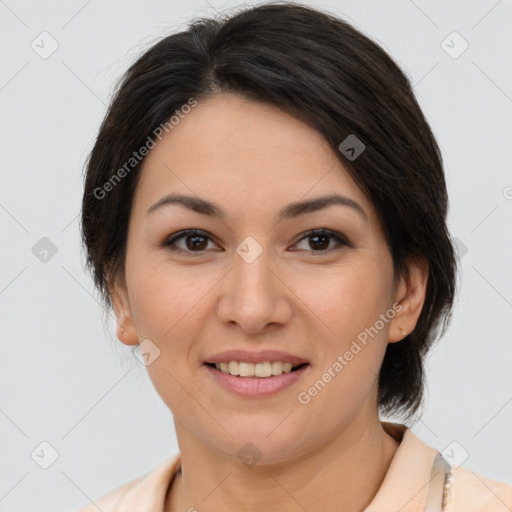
(409, 297)
(125, 329)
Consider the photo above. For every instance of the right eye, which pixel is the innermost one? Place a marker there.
(195, 241)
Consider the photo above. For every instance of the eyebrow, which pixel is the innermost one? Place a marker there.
(292, 210)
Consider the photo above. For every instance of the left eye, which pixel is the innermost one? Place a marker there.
(197, 241)
(321, 240)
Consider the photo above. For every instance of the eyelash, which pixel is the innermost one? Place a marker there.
(338, 237)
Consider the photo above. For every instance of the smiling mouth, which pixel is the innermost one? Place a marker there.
(256, 370)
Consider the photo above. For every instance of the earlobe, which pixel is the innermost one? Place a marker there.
(126, 331)
(396, 331)
(410, 297)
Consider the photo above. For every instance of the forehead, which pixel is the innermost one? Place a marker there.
(242, 153)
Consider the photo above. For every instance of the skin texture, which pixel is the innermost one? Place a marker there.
(251, 160)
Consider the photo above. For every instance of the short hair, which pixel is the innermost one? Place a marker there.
(319, 69)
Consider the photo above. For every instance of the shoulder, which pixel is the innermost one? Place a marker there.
(145, 492)
(473, 492)
(410, 473)
(109, 502)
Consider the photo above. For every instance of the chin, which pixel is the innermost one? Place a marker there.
(264, 440)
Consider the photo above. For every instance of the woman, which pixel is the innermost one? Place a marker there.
(265, 210)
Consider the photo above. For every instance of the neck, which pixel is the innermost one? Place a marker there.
(349, 469)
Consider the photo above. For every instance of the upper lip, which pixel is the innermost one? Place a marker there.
(255, 357)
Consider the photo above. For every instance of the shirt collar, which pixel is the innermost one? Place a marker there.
(405, 486)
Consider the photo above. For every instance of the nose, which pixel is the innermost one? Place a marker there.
(254, 296)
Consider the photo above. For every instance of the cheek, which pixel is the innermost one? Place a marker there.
(347, 298)
(165, 297)
(353, 339)
(346, 375)
(169, 307)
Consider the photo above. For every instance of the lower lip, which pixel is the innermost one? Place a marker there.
(256, 386)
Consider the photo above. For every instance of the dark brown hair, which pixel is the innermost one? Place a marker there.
(321, 70)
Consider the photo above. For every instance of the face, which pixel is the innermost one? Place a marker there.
(262, 276)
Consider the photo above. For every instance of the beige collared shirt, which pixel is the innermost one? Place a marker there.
(404, 489)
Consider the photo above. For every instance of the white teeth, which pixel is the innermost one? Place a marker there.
(233, 367)
(263, 370)
(276, 367)
(245, 369)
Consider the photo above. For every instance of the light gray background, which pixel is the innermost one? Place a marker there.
(61, 379)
